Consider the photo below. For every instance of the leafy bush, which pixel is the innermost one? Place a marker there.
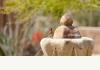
(25, 8)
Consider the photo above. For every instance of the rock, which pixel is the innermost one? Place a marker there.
(67, 47)
(66, 32)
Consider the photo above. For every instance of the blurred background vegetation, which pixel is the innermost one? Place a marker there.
(22, 18)
(86, 11)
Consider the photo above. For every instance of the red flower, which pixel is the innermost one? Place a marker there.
(36, 37)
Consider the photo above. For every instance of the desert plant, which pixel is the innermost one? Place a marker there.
(5, 44)
(12, 41)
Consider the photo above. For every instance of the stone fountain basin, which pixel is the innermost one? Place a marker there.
(67, 47)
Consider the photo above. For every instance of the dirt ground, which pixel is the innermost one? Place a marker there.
(92, 32)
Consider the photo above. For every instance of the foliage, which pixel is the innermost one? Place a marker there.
(12, 42)
(25, 8)
(5, 45)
